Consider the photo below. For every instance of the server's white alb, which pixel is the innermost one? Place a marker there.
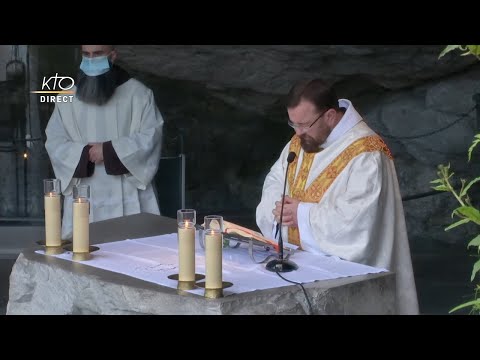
(133, 122)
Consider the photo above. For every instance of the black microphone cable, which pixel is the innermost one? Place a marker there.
(304, 292)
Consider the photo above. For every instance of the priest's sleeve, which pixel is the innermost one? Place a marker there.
(355, 219)
(139, 152)
(113, 165)
(85, 167)
(272, 192)
(65, 154)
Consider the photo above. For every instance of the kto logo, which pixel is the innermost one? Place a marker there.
(56, 85)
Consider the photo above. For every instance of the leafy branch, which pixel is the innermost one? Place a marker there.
(467, 50)
(466, 213)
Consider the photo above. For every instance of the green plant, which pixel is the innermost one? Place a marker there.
(466, 212)
(467, 50)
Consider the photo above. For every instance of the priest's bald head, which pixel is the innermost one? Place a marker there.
(96, 80)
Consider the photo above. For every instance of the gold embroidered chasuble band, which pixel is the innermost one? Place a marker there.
(320, 185)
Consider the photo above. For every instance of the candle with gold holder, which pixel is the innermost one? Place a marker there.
(186, 219)
(53, 222)
(213, 256)
(81, 225)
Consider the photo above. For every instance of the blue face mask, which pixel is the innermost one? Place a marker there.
(95, 66)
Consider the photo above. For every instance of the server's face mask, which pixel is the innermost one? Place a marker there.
(94, 66)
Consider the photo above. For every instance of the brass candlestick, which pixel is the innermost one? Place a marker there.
(186, 285)
(82, 256)
(215, 293)
(54, 250)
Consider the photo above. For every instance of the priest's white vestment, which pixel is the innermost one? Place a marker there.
(359, 214)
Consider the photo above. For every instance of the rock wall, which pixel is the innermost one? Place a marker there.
(226, 102)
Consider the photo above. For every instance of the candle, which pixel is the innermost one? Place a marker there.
(186, 251)
(213, 259)
(53, 225)
(81, 230)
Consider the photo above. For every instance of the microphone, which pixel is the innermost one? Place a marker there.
(291, 156)
(280, 264)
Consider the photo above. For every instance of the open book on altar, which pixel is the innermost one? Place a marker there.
(236, 232)
(239, 233)
(230, 228)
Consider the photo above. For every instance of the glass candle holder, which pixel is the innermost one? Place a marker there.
(213, 251)
(81, 192)
(81, 212)
(186, 217)
(52, 187)
(53, 216)
(186, 220)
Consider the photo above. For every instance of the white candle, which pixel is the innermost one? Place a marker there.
(186, 251)
(213, 259)
(53, 225)
(81, 230)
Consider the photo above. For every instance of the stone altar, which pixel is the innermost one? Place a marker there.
(42, 284)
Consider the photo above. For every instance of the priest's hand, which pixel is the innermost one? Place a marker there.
(95, 154)
(289, 211)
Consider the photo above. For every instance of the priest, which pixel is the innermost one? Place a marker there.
(109, 137)
(342, 196)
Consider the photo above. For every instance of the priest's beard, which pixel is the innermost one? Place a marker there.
(96, 89)
(309, 144)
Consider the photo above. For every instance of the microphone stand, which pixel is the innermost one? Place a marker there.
(280, 264)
